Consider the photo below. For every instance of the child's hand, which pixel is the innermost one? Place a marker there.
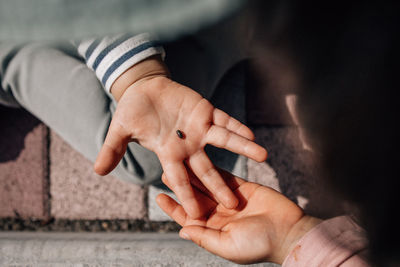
(265, 226)
(150, 112)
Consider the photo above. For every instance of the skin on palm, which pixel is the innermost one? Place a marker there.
(149, 112)
(264, 226)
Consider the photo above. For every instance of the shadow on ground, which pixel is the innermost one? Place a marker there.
(15, 125)
(297, 172)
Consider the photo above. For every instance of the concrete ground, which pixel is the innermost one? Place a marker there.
(104, 249)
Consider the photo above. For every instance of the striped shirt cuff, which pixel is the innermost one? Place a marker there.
(109, 57)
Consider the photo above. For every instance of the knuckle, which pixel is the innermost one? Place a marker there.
(200, 243)
(227, 138)
(220, 189)
(236, 125)
(225, 120)
(221, 137)
(164, 178)
(180, 182)
(175, 212)
(211, 172)
(241, 128)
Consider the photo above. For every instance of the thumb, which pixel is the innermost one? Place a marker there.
(209, 239)
(113, 149)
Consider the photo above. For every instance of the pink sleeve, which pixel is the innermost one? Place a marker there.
(334, 242)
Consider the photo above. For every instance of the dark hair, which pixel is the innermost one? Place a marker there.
(345, 60)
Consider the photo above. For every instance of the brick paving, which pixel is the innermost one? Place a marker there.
(78, 193)
(31, 158)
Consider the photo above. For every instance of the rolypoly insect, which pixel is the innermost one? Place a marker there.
(180, 134)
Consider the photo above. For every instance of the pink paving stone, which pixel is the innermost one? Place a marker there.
(78, 193)
(23, 165)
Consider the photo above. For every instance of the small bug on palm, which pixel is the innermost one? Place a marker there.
(180, 134)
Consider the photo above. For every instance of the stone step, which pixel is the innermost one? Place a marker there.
(104, 249)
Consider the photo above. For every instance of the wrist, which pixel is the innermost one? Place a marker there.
(146, 69)
(299, 229)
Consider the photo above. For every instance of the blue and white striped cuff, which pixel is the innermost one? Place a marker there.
(109, 57)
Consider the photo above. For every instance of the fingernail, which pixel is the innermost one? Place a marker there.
(184, 235)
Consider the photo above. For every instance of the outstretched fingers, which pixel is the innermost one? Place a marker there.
(223, 138)
(222, 119)
(113, 149)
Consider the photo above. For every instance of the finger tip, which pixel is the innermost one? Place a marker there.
(159, 198)
(262, 155)
(98, 168)
(101, 165)
(183, 234)
(251, 135)
(231, 203)
(247, 133)
(164, 198)
(265, 155)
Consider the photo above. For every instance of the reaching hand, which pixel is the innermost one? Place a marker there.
(151, 111)
(264, 226)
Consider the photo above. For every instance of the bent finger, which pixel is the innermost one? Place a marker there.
(172, 208)
(113, 149)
